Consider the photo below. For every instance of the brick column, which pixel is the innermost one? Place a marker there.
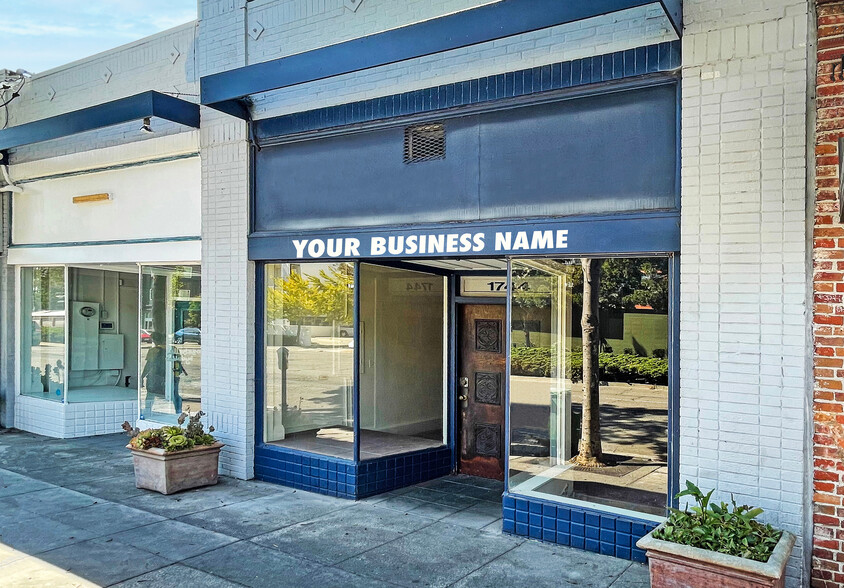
(828, 317)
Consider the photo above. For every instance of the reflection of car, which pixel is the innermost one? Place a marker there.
(347, 331)
(187, 334)
(145, 336)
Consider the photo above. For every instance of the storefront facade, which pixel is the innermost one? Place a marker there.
(401, 217)
(103, 253)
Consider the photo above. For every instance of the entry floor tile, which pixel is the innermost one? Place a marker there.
(436, 555)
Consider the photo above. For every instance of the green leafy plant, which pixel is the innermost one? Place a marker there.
(172, 438)
(718, 527)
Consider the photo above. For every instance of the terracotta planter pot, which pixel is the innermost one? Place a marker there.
(179, 470)
(673, 565)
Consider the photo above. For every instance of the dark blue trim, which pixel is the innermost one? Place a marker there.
(633, 233)
(508, 321)
(673, 380)
(225, 90)
(480, 300)
(653, 59)
(397, 471)
(451, 372)
(260, 406)
(115, 242)
(580, 527)
(306, 471)
(356, 370)
(411, 267)
(674, 11)
(103, 115)
(346, 478)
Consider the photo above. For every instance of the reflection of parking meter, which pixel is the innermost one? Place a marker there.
(283, 354)
(275, 418)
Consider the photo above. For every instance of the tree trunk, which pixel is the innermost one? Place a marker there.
(589, 451)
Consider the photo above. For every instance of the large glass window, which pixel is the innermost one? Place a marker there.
(103, 338)
(170, 341)
(589, 381)
(309, 357)
(402, 379)
(43, 332)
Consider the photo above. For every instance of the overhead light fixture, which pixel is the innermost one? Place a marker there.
(146, 128)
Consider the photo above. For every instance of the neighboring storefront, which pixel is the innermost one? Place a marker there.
(102, 256)
(828, 290)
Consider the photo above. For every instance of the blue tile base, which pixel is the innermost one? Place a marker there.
(575, 526)
(344, 478)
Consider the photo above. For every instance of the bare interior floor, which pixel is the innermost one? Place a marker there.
(338, 442)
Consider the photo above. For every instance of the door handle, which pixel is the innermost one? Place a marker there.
(464, 394)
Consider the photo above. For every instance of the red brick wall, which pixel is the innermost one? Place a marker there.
(828, 548)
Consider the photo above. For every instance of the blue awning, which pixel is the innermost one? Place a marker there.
(225, 91)
(137, 107)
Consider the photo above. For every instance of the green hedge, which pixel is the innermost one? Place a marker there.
(620, 367)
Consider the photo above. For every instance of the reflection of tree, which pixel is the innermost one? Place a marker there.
(328, 294)
(533, 291)
(48, 287)
(627, 282)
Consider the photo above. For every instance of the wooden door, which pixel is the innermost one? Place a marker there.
(480, 389)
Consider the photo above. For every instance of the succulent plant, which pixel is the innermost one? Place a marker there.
(172, 437)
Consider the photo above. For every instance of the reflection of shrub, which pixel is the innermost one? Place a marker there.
(530, 361)
(622, 367)
(52, 334)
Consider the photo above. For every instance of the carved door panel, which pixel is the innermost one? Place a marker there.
(480, 389)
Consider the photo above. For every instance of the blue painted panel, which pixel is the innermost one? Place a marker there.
(608, 153)
(361, 179)
(599, 154)
(628, 234)
(469, 27)
(580, 527)
(103, 115)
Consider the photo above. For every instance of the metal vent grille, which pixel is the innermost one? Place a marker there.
(424, 143)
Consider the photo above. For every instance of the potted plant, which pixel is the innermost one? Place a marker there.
(171, 459)
(715, 545)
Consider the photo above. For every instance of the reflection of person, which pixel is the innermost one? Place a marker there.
(178, 370)
(155, 369)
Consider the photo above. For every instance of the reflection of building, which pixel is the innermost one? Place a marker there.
(430, 173)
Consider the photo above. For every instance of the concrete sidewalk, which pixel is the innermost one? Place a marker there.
(70, 515)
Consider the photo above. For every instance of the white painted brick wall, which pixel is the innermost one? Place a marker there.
(228, 278)
(147, 64)
(744, 276)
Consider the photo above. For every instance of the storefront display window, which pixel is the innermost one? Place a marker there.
(170, 341)
(43, 325)
(309, 357)
(607, 445)
(402, 375)
(103, 337)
